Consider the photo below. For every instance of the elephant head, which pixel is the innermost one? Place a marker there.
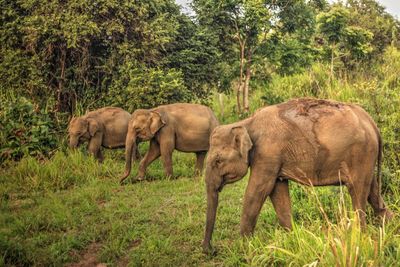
(227, 162)
(143, 126)
(81, 129)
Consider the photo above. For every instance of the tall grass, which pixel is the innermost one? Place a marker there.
(337, 242)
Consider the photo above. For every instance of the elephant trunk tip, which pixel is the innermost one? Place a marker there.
(208, 249)
(126, 174)
(73, 144)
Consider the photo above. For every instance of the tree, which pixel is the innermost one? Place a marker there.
(194, 52)
(347, 43)
(58, 52)
(372, 16)
(332, 25)
(243, 24)
(248, 28)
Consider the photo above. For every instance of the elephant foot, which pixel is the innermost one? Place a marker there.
(387, 214)
(246, 231)
(139, 178)
(383, 215)
(123, 178)
(121, 181)
(198, 172)
(208, 249)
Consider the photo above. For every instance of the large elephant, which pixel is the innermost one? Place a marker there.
(181, 126)
(309, 141)
(105, 127)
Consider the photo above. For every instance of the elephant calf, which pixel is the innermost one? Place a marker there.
(309, 141)
(105, 127)
(184, 127)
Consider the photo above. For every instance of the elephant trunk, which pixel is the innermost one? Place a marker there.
(213, 183)
(73, 142)
(130, 152)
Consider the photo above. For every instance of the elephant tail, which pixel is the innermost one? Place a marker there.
(379, 163)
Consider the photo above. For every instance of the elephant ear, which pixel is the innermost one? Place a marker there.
(242, 141)
(93, 126)
(157, 120)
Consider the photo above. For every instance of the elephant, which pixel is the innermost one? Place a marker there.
(105, 127)
(313, 142)
(181, 126)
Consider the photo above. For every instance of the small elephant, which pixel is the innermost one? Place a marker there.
(184, 127)
(309, 141)
(105, 127)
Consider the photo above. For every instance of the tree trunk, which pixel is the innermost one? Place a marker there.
(240, 85)
(221, 103)
(246, 83)
(60, 89)
(332, 60)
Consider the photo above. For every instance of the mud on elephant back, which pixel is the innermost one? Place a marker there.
(310, 141)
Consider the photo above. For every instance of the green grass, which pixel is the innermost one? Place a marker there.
(63, 210)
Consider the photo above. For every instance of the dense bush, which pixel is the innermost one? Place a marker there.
(140, 87)
(26, 130)
(73, 51)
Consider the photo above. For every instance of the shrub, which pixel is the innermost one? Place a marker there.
(25, 130)
(141, 87)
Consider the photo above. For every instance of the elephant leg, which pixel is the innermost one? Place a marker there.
(376, 201)
(137, 153)
(149, 157)
(359, 201)
(359, 184)
(100, 156)
(261, 183)
(280, 199)
(167, 148)
(200, 156)
(95, 145)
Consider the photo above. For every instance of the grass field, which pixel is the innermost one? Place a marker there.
(71, 210)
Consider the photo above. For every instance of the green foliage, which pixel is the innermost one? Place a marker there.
(74, 51)
(333, 23)
(26, 130)
(195, 53)
(350, 44)
(372, 16)
(359, 31)
(358, 41)
(141, 87)
(289, 54)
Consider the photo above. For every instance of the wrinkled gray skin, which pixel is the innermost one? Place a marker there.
(309, 141)
(184, 127)
(105, 127)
